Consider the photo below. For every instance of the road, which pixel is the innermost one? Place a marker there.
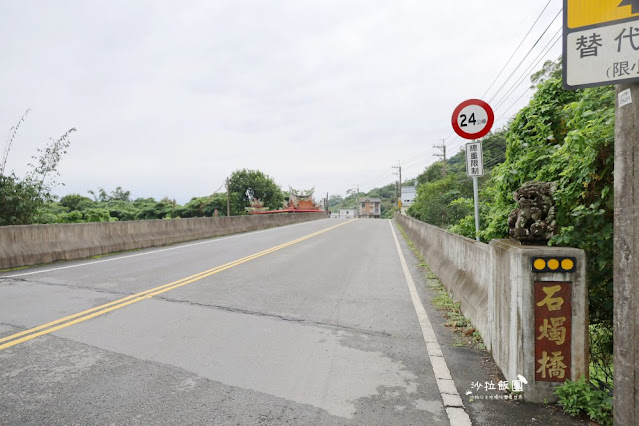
(314, 323)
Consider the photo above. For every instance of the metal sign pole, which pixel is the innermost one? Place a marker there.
(473, 119)
(476, 196)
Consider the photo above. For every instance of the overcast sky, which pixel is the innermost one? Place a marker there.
(170, 97)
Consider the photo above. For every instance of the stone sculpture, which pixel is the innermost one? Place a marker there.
(534, 222)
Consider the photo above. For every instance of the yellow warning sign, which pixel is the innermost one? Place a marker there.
(582, 13)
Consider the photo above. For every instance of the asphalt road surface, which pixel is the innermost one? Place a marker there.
(314, 323)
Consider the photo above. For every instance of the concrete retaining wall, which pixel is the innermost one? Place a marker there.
(35, 244)
(494, 284)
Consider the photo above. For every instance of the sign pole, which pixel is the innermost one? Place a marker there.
(476, 196)
(473, 119)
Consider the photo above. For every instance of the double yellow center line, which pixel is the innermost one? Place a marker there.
(50, 327)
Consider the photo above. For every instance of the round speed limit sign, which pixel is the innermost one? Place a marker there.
(473, 119)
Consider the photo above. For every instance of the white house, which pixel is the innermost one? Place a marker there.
(347, 213)
(408, 197)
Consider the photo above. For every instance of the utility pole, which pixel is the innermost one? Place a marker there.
(399, 173)
(328, 213)
(626, 262)
(228, 198)
(442, 156)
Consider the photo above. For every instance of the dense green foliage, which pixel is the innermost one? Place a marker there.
(203, 206)
(20, 200)
(581, 395)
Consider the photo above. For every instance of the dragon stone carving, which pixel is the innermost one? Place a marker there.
(534, 221)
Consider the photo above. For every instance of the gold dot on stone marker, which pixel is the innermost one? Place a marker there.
(567, 264)
(553, 264)
(539, 264)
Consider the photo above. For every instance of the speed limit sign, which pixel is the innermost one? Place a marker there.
(473, 119)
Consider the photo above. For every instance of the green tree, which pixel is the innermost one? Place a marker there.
(203, 206)
(335, 201)
(20, 201)
(22, 198)
(433, 202)
(70, 217)
(431, 173)
(121, 210)
(120, 195)
(157, 210)
(245, 184)
(76, 202)
(97, 215)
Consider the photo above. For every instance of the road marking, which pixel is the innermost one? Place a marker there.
(181, 246)
(76, 318)
(452, 401)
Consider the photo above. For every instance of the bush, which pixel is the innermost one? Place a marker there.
(20, 201)
(97, 215)
(579, 396)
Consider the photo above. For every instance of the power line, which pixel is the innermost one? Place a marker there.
(522, 95)
(516, 49)
(556, 37)
(526, 56)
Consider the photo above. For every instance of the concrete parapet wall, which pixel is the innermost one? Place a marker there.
(460, 264)
(495, 285)
(34, 244)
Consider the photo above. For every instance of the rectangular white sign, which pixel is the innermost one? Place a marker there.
(602, 55)
(474, 159)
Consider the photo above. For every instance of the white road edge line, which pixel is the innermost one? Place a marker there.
(208, 241)
(452, 401)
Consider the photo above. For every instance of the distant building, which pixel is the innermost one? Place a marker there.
(347, 213)
(370, 207)
(408, 197)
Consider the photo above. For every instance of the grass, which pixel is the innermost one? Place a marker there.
(14, 269)
(465, 333)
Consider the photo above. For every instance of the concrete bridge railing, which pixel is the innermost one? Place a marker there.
(35, 244)
(529, 303)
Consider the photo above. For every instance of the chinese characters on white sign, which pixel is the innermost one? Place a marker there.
(601, 45)
(474, 159)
